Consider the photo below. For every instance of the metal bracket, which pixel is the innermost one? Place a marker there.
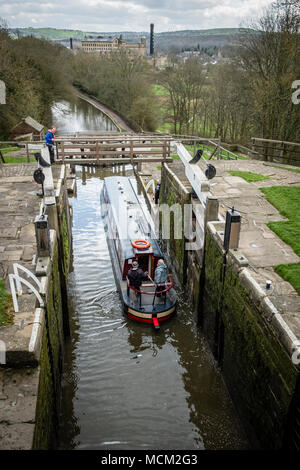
(150, 183)
(16, 281)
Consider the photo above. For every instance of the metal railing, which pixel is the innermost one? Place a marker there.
(169, 284)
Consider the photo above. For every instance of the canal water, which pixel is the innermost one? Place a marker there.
(79, 115)
(124, 385)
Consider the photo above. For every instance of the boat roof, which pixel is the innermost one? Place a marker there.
(131, 214)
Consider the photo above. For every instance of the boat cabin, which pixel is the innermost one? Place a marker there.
(130, 226)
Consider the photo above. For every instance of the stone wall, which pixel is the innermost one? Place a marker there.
(243, 329)
(173, 191)
(55, 330)
(30, 380)
(256, 366)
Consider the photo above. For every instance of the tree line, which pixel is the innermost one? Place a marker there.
(248, 94)
(35, 73)
(120, 81)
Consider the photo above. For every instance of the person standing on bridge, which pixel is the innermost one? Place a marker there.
(157, 190)
(49, 142)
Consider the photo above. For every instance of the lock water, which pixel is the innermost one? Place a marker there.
(125, 386)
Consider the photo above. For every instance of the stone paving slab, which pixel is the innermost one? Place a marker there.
(16, 179)
(10, 436)
(18, 394)
(261, 246)
(19, 206)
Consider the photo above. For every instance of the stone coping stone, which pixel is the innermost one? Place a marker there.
(18, 396)
(16, 179)
(23, 339)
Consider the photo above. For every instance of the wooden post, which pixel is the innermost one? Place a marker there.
(27, 153)
(42, 235)
(62, 145)
(253, 145)
(282, 152)
(131, 151)
(164, 151)
(211, 210)
(97, 152)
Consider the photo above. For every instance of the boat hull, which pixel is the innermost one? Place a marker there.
(139, 315)
(145, 308)
(148, 318)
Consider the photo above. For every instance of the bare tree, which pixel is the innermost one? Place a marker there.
(270, 57)
(184, 82)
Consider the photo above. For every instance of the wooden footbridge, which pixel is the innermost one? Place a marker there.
(110, 148)
(113, 149)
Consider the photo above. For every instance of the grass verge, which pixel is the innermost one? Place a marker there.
(248, 175)
(18, 159)
(9, 149)
(6, 309)
(209, 149)
(290, 273)
(287, 200)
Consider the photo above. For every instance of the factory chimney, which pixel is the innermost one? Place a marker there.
(151, 39)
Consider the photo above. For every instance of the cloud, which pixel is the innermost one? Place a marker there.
(127, 15)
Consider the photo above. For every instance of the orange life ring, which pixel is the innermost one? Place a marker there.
(144, 246)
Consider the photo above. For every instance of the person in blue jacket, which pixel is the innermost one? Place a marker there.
(49, 142)
(160, 276)
(157, 191)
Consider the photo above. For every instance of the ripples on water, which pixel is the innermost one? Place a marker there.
(126, 386)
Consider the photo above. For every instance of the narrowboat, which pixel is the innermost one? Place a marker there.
(130, 237)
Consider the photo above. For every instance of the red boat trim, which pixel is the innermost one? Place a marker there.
(149, 320)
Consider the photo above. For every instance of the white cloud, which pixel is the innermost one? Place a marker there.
(126, 15)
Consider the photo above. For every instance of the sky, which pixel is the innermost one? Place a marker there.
(131, 15)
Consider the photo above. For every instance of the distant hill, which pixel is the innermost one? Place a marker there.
(50, 33)
(165, 41)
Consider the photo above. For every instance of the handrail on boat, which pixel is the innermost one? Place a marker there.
(171, 282)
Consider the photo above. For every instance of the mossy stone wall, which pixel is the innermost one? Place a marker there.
(52, 350)
(50, 364)
(258, 371)
(172, 193)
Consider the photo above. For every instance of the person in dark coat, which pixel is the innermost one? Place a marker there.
(49, 142)
(157, 189)
(136, 276)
